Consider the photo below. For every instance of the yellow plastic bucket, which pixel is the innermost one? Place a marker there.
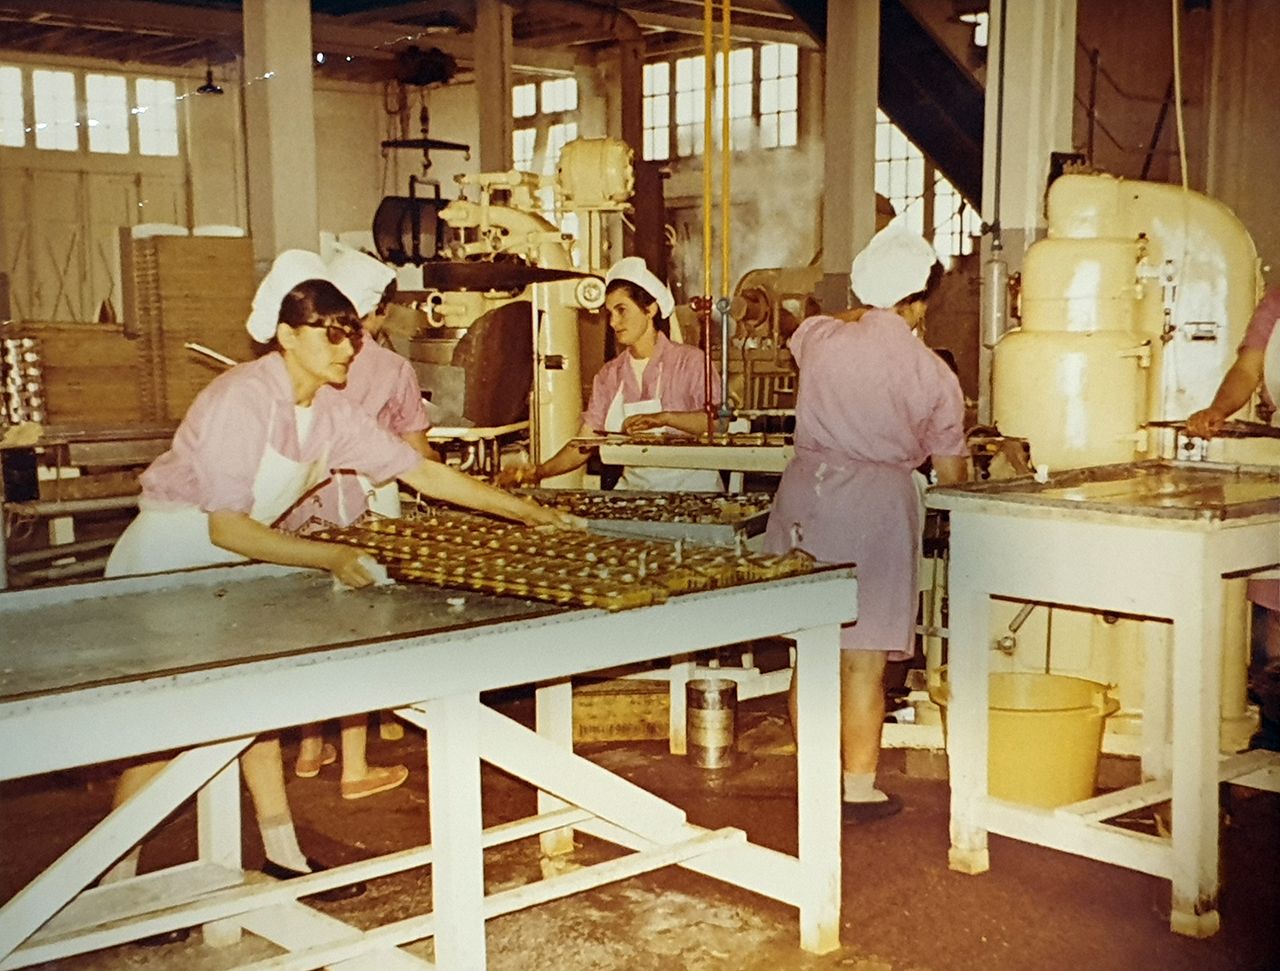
(1045, 735)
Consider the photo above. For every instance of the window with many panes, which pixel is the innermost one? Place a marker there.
(657, 111)
(54, 96)
(13, 125)
(920, 193)
(107, 104)
(546, 113)
(779, 95)
(763, 101)
(102, 105)
(157, 112)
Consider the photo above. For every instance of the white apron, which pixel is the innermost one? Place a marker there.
(175, 536)
(644, 479)
(384, 500)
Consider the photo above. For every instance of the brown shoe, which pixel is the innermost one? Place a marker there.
(310, 768)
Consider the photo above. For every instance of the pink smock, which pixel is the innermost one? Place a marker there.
(1262, 325)
(218, 448)
(874, 403)
(677, 369)
(382, 385)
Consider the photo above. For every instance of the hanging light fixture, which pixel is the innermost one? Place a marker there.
(208, 87)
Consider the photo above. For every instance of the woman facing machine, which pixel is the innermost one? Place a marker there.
(653, 385)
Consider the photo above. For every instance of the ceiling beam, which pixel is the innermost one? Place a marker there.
(738, 31)
(330, 34)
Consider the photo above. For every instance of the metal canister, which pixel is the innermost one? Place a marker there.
(710, 714)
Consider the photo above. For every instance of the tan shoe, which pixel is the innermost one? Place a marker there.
(379, 778)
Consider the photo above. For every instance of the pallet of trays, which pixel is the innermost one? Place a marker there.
(471, 552)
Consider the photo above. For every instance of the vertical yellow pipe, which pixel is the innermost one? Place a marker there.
(724, 154)
(709, 87)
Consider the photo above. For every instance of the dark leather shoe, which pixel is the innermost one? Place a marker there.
(856, 813)
(175, 936)
(273, 869)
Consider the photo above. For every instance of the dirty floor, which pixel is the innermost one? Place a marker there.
(903, 909)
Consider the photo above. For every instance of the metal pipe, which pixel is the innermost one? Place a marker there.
(54, 552)
(67, 507)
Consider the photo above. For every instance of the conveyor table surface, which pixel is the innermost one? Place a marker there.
(163, 630)
(1159, 489)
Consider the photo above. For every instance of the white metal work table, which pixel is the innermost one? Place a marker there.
(207, 659)
(1150, 539)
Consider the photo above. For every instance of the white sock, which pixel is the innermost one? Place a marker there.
(861, 787)
(126, 867)
(281, 843)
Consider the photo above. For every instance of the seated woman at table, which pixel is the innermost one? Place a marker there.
(251, 444)
(653, 384)
(383, 385)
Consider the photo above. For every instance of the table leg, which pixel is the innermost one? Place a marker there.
(968, 668)
(553, 704)
(678, 675)
(218, 816)
(817, 677)
(457, 869)
(1197, 693)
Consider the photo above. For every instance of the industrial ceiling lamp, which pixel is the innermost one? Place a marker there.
(208, 87)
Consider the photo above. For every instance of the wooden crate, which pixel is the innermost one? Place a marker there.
(93, 375)
(621, 710)
(184, 289)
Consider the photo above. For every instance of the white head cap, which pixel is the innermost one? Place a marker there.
(895, 264)
(634, 270)
(289, 269)
(361, 278)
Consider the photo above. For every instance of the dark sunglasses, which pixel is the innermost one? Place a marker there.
(337, 333)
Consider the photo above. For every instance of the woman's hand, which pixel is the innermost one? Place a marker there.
(1206, 423)
(345, 563)
(512, 476)
(644, 423)
(544, 516)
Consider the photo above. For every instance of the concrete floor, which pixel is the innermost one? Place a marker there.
(903, 909)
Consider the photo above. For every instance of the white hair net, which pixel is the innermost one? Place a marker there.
(361, 278)
(289, 269)
(895, 264)
(633, 269)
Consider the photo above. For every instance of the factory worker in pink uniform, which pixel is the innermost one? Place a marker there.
(654, 385)
(874, 402)
(383, 385)
(1257, 364)
(251, 444)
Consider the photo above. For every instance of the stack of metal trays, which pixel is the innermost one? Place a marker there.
(698, 517)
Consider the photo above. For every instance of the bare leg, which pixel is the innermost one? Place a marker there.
(355, 738)
(263, 770)
(131, 782)
(862, 709)
(359, 779)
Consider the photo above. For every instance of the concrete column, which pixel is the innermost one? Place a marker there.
(493, 83)
(1028, 113)
(1030, 86)
(852, 66)
(281, 127)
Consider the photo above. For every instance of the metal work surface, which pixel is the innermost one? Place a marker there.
(1156, 489)
(738, 453)
(213, 617)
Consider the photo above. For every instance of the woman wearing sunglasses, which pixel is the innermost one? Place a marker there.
(251, 444)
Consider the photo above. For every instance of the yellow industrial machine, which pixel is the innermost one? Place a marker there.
(505, 290)
(1131, 312)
